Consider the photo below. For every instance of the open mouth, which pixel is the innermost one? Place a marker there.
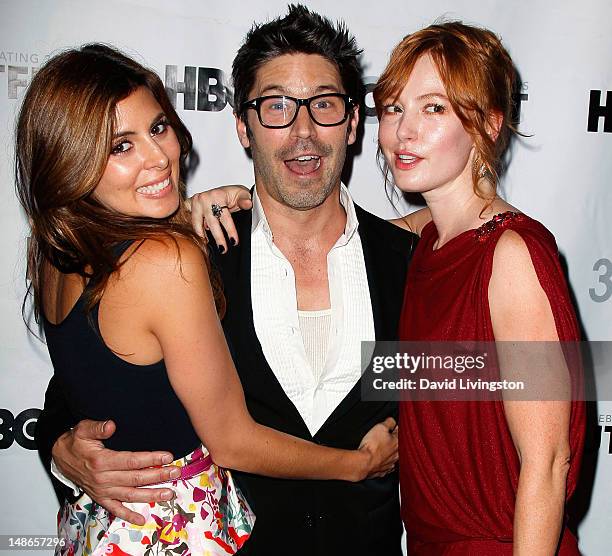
(304, 164)
(156, 189)
(405, 161)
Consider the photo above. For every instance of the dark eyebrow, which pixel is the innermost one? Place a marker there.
(283, 91)
(122, 133)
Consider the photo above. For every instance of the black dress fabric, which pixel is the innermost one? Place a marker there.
(98, 384)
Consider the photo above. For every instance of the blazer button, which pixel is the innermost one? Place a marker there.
(308, 521)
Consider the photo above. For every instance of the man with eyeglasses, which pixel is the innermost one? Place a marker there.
(312, 276)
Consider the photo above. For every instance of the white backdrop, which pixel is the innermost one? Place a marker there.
(560, 175)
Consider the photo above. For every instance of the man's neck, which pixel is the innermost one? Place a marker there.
(305, 238)
(321, 225)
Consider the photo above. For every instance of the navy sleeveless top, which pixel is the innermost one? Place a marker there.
(98, 384)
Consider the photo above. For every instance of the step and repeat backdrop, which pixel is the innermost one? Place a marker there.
(561, 174)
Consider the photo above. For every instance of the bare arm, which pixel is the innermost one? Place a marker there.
(520, 311)
(203, 376)
(415, 221)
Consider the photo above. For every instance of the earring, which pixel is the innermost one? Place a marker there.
(482, 168)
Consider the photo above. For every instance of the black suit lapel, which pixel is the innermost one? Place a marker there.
(257, 377)
(375, 274)
(386, 256)
(387, 250)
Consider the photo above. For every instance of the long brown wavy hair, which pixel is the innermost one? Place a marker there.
(63, 140)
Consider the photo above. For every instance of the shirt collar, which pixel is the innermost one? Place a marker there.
(259, 219)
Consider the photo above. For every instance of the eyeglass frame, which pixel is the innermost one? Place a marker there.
(255, 104)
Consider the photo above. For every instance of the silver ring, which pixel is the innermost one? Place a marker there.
(217, 210)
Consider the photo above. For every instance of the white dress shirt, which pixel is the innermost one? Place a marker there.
(275, 315)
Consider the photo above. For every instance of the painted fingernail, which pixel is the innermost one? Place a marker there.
(167, 458)
(221, 249)
(232, 241)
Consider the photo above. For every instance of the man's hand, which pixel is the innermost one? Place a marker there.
(111, 477)
(232, 198)
(381, 443)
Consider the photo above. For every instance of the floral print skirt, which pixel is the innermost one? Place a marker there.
(208, 517)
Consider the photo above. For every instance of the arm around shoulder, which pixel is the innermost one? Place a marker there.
(415, 221)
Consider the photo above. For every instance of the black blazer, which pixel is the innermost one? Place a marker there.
(323, 518)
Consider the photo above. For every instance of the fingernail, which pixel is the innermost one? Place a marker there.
(167, 458)
(221, 249)
(175, 473)
(232, 241)
(167, 495)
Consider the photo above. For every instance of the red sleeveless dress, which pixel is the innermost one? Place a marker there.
(458, 466)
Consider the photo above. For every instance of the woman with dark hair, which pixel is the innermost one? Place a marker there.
(493, 476)
(129, 307)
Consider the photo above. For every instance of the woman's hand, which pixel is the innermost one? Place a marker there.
(231, 198)
(380, 442)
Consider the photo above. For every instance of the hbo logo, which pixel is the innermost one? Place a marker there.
(18, 429)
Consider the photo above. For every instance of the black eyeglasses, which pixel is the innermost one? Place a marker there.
(278, 111)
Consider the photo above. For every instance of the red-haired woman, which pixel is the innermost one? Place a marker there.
(477, 477)
(129, 310)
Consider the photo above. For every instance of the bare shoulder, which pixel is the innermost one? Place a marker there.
(415, 221)
(520, 309)
(511, 249)
(513, 272)
(155, 264)
(165, 250)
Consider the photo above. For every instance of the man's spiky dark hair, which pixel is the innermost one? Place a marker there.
(301, 31)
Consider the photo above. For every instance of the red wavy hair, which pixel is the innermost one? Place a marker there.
(479, 77)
